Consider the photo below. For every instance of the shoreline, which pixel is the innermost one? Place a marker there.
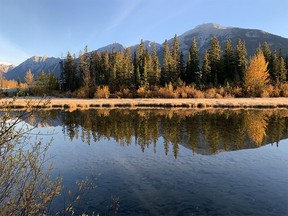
(191, 103)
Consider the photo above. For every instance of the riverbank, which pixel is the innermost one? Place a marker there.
(71, 103)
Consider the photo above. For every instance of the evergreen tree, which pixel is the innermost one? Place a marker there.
(215, 60)
(273, 67)
(136, 73)
(52, 83)
(181, 66)
(155, 77)
(128, 67)
(281, 70)
(266, 51)
(93, 71)
(193, 64)
(241, 60)
(229, 62)
(69, 73)
(206, 70)
(99, 72)
(106, 67)
(166, 68)
(85, 68)
(175, 61)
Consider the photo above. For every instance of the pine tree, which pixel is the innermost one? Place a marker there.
(155, 78)
(166, 68)
(93, 71)
(181, 66)
(240, 61)
(128, 67)
(266, 51)
(52, 82)
(175, 61)
(215, 60)
(69, 73)
(273, 67)
(136, 73)
(193, 64)
(229, 62)
(85, 68)
(106, 67)
(281, 70)
(206, 69)
(256, 77)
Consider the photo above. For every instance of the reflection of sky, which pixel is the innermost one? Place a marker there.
(238, 183)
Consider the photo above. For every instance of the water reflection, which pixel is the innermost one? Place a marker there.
(204, 132)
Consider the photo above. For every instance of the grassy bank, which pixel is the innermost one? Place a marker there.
(68, 103)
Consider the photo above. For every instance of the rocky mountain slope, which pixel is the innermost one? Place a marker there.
(36, 65)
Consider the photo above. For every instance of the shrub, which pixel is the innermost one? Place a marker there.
(83, 92)
(237, 92)
(167, 92)
(102, 92)
(210, 93)
(143, 92)
(284, 90)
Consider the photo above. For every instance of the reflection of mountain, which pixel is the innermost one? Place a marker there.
(205, 132)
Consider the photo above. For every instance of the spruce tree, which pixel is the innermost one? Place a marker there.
(273, 67)
(93, 70)
(85, 68)
(229, 62)
(281, 70)
(166, 68)
(266, 52)
(106, 67)
(175, 61)
(206, 70)
(136, 71)
(156, 70)
(181, 66)
(193, 64)
(240, 61)
(69, 74)
(128, 67)
(215, 60)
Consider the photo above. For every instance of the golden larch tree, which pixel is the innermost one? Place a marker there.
(256, 76)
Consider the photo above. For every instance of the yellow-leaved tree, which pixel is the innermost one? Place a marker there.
(256, 76)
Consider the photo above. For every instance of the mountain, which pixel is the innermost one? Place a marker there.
(115, 47)
(202, 33)
(252, 37)
(36, 65)
(4, 68)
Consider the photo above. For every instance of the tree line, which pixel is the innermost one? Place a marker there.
(127, 74)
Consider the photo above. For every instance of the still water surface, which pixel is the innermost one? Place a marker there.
(172, 162)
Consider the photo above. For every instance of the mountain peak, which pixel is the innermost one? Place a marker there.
(207, 26)
(39, 58)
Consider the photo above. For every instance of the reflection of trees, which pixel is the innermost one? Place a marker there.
(208, 131)
(255, 124)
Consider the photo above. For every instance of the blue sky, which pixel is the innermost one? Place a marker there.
(53, 27)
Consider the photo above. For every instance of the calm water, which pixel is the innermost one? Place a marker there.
(164, 162)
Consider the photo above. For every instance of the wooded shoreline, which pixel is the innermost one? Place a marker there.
(194, 103)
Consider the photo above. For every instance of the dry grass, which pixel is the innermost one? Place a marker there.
(69, 103)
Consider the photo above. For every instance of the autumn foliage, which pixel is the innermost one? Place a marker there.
(256, 76)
